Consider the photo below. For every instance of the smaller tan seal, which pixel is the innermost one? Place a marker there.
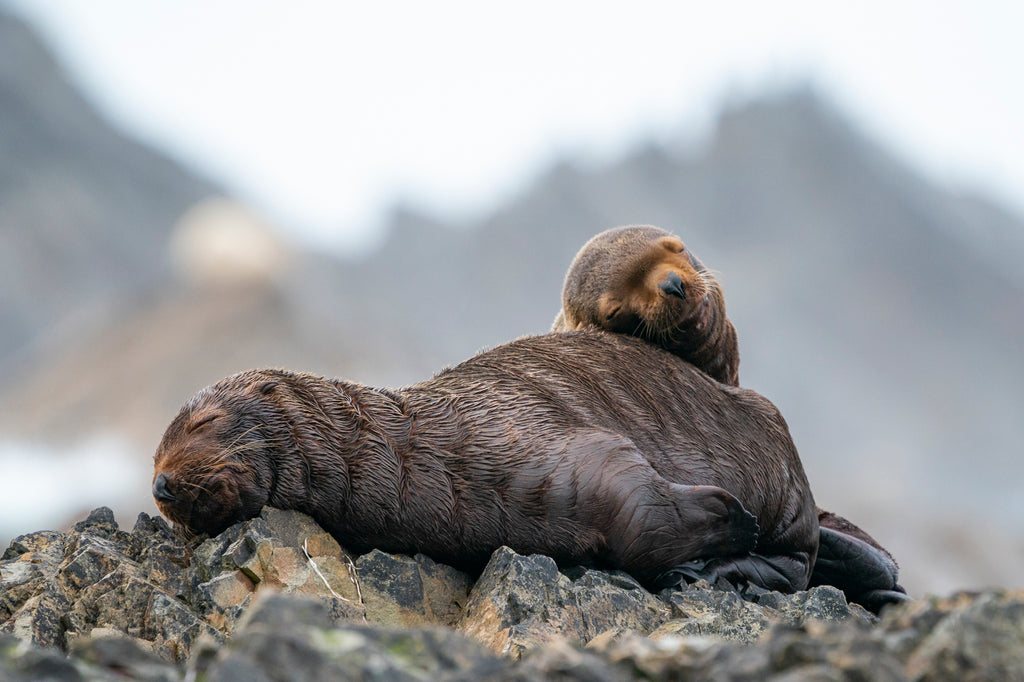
(642, 281)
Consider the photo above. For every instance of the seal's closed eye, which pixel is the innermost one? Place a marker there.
(203, 422)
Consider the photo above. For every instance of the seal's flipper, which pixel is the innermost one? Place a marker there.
(665, 524)
(864, 572)
(874, 600)
(724, 527)
(784, 572)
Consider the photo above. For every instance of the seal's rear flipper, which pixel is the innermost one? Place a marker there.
(671, 524)
(716, 518)
(784, 572)
(866, 573)
(874, 600)
(650, 524)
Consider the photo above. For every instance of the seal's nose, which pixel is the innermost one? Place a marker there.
(673, 285)
(160, 491)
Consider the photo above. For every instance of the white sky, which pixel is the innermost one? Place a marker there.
(322, 113)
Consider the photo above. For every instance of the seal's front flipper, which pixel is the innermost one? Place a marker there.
(784, 572)
(864, 572)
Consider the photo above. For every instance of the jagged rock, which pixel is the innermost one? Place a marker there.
(19, 580)
(279, 550)
(820, 651)
(522, 602)
(559, 660)
(277, 598)
(297, 638)
(824, 603)
(817, 651)
(112, 650)
(38, 621)
(100, 519)
(22, 662)
(407, 591)
(703, 611)
(446, 589)
(44, 543)
(964, 637)
(94, 559)
(615, 601)
(666, 657)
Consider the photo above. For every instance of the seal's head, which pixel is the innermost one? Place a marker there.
(215, 464)
(634, 278)
(642, 281)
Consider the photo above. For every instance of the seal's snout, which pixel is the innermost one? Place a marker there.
(673, 285)
(160, 490)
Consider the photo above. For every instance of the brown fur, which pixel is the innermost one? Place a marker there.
(620, 282)
(615, 284)
(585, 446)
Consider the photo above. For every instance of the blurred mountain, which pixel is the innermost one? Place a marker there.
(883, 313)
(85, 212)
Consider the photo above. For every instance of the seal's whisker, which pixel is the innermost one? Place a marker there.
(195, 486)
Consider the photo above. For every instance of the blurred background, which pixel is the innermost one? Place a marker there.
(192, 189)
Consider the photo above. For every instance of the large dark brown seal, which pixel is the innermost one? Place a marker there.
(642, 281)
(585, 446)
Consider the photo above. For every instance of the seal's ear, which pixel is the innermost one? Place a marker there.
(267, 387)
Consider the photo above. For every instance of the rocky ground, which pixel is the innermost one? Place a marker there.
(276, 598)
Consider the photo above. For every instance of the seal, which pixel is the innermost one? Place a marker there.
(574, 445)
(853, 561)
(642, 281)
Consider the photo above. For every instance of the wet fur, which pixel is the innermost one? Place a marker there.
(585, 446)
(613, 284)
(620, 270)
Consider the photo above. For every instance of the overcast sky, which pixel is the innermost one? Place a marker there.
(322, 113)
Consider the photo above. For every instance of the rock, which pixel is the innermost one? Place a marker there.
(288, 637)
(276, 597)
(407, 591)
(521, 602)
(94, 559)
(20, 661)
(100, 519)
(968, 636)
(39, 620)
(824, 603)
(701, 610)
(446, 589)
(212, 558)
(166, 564)
(559, 660)
(819, 652)
(19, 580)
(109, 649)
(614, 601)
(665, 657)
(42, 543)
(704, 611)
(270, 552)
